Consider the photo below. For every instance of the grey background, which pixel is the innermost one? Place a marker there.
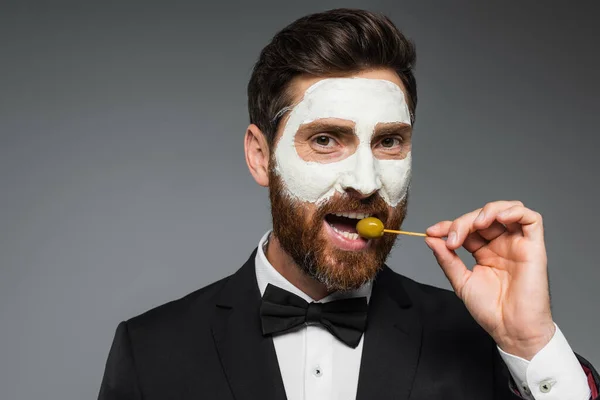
(123, 183)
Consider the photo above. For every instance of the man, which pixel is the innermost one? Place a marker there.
(314, 313)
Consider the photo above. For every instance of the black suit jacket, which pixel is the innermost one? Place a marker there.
(420, 343)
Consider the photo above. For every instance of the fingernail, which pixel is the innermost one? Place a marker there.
(432, 227)
(480, 217)
(452, 238)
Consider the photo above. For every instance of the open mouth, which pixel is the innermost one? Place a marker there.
(344, 224)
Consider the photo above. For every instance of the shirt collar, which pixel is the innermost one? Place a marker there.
(266, 273)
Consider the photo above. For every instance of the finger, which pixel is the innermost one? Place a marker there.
(459, 229)
(530, 221)
(475, 220)
(493, 231)
(487, 215)
(439, 230)
(453, 267)
(474, 242)
(514, 228)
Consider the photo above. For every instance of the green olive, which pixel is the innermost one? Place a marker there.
(370, 228)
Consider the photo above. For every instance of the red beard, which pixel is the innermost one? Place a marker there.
(303, 237)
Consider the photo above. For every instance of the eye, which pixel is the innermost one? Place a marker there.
(390, 142)
(326, 143)
(323, 140)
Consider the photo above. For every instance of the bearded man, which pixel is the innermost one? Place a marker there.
(315, 313)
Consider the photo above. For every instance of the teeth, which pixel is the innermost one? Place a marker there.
(350, 235)
(352, 215)
(347, 235)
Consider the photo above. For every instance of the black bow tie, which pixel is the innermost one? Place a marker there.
(282, 311)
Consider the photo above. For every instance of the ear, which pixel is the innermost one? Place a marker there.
(257, 154)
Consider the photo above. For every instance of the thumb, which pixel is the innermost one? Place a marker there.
(453, 267)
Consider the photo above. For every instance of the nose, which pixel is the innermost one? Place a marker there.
(355, 194)
(363, 179)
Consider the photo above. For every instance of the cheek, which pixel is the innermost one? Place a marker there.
(303, 181)
(395, 178)
(309, 182)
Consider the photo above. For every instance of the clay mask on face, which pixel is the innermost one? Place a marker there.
(366, 102)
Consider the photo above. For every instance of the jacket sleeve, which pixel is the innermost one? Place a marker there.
(120, 378)
(592, 375)
(504, 386)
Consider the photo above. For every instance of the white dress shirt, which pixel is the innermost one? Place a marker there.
(315, 365)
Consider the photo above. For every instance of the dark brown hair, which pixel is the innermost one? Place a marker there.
(334, 42)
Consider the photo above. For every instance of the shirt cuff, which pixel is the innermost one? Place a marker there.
(554, 373)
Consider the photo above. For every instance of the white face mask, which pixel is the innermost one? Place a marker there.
(366, 102)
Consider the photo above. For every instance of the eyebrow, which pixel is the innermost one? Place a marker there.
(317, 127)
(392, 129)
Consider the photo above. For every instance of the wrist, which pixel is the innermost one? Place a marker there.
(527, 346)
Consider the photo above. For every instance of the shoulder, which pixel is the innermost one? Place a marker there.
(189, 317)
(178, 314)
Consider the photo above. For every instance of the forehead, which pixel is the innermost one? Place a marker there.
(354, 99)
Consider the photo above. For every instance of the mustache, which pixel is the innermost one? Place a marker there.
(372, 205)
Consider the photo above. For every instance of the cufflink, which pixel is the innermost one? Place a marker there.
(546, 385)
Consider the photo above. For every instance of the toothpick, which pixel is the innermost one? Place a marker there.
(405, 233)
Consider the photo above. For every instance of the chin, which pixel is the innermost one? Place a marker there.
(342, 269)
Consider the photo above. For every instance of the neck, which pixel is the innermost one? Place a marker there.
(286, 266)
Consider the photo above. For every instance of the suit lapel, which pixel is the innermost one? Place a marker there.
(248, 359)
(392, 342)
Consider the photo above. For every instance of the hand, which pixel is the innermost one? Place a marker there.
(507, 290)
